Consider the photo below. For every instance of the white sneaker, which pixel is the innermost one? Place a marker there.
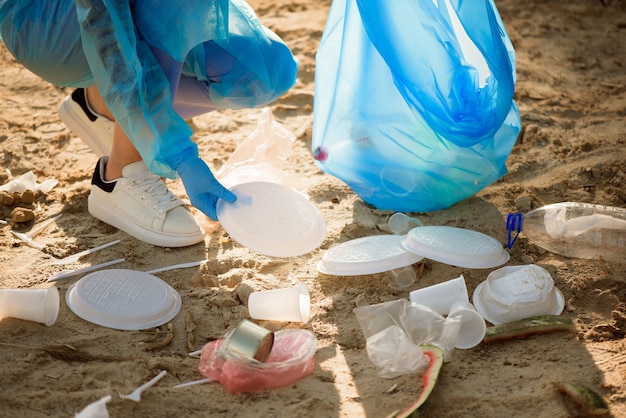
(140, 204)
(95, 130)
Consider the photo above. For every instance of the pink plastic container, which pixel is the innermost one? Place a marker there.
(291, 359)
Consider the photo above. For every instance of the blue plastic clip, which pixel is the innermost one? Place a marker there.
(514, 222)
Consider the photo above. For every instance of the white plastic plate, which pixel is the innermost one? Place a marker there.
(456, 246)
(367, 255)
(123, 299)
(272, 219)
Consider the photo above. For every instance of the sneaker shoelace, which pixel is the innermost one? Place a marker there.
(149, 188)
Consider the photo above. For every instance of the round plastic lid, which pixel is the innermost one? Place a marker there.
(517, 292)
(367, 255)
(123, 299)
(456, 246)
(272, 219)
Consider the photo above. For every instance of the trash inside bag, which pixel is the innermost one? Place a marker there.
(395, 330)
(291, 359)
(464, 90)
(414, 110)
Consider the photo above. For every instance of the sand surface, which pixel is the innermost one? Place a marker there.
(571, 91)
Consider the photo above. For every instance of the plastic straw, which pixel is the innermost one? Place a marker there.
(193, 382)
(28, 237)
(195, 353)
(75, 257)
(177, 266)
(69, 273)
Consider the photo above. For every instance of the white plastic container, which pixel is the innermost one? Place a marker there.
(578, 230)
(367, 255)
(516, 292)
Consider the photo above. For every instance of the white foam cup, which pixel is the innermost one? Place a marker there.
(288, 304)
(38, 305)
(404, 276)
(473, 325)
(441, 296)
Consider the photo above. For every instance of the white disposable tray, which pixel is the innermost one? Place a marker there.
(123, 299)
(367, 255)
(272, 219)
(455, 246)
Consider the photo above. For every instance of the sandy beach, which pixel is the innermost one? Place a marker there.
(571, 92)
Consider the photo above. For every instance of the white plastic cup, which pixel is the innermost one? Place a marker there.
(473, 325)
(441, 296)
(38, 305)
(291, 304)
(400, 224)
(404, 276)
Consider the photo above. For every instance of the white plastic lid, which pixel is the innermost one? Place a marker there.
(123, 299)
(456, 246)
(517, 292)
(272, 219)
(367, 255)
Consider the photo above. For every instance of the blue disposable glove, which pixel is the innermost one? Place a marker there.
(201, 185)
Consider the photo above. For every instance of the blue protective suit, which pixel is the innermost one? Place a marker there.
(156, 62)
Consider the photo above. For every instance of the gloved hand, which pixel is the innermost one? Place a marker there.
(201, 185)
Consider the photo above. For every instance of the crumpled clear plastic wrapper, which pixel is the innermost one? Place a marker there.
(28, 181)
(407, 357)
(395, 330)
(262, 156)
(291, 359)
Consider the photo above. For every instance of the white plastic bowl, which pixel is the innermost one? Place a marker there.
(517, 292)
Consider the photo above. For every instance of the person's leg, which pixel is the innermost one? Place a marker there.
(252, 67)
(123, 153)
(44, 36)
(96, 102)
(93, 127)
(231, 81)
(126, 195)
(263, 69)
(112, 142)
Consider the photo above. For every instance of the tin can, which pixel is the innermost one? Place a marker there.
(251, 341)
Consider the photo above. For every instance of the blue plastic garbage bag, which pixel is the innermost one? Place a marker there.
(414, 101)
